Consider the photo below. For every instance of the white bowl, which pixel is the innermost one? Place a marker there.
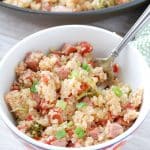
(134, 71)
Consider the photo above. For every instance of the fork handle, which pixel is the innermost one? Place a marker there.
(131, 33)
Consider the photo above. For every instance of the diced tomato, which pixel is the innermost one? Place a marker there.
(57, 115)
(102, 122)
(85, 48)
(116, 68)
(68, 48)
(29, 118)
(84, 86)
(45, 79)
(92, 63)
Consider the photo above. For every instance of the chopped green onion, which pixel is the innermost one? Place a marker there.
(74, 74)
(61, 104)
(81, 105)
(60, 134)
(117, 91)
(33, 87)
(80, 133)
(86, 67)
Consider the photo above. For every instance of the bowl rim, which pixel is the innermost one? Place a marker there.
(38, 144)
(81, 13)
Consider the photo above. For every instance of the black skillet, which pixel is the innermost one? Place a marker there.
(108, 10)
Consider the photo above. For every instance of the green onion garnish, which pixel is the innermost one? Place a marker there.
(80, 133)
(60, 134)
(117, 91)
(81, 105)
(33, 87)
(61, 104)
(85, 66)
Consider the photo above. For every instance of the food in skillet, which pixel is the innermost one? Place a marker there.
(62, 98)
(65, 5)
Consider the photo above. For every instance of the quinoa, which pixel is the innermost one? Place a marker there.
(65, 5)
(63, 98)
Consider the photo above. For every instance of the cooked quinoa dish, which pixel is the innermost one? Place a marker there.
(64, 98)
(65, 5)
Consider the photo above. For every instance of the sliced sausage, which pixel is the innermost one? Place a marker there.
(94, 133)
(63, 72)
(85, 48)
(32, 60)
(114, 129)
(68, 48)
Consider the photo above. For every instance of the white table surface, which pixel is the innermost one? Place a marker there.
(15, 26)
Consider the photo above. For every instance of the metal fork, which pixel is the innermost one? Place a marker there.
(107, 62)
